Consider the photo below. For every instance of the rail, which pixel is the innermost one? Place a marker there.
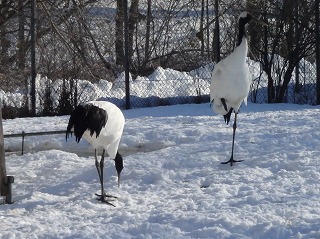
(23, 134)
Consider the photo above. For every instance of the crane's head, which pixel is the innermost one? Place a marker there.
(77, 122)
(244, 18)
(118, 162)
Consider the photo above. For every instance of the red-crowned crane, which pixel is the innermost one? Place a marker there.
(231, 81)
(101, 124)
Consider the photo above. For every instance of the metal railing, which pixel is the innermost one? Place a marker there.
(23, 134)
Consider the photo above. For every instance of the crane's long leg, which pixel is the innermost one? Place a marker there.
(231, 160)
(97, 164)
(100, 167)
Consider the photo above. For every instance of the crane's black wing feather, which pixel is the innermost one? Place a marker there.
(97, 119)
(86, 117)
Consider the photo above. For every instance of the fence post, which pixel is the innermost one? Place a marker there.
(5, 181)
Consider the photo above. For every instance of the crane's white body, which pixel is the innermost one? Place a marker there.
(231, 80)
(110, 135)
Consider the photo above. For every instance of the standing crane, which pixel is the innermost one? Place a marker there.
(231, 80)
(101, 124)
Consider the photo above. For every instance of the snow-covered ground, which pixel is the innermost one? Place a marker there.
(173, 185)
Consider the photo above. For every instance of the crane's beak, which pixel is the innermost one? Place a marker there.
(118, 180)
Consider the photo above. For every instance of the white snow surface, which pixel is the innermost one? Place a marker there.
(173, 185)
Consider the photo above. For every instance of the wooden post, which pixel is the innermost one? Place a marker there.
(3, 172)
(5, 181)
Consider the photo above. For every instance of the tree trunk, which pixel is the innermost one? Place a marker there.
(149, 17)
(267, 65)
(133, 20)
(317, 33)
(297, 82)
(286, 80)
(21, 39)
(33, 57)
(119, 33)
(216, 39)
(201, 27)
(4, 43)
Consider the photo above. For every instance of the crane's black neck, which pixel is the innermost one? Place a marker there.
(242, 25)
(241, 34)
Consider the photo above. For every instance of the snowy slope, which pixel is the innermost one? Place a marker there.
(172, 185)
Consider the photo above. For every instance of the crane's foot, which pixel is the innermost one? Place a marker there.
(106, 195)
(105, 199)
(231, 161)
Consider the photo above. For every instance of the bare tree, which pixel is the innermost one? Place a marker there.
(148, 26)
(119, 44)
(132, 22)
(21, 37)
(216, 41)
(286, 40)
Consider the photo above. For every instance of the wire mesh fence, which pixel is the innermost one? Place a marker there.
(162, 87)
